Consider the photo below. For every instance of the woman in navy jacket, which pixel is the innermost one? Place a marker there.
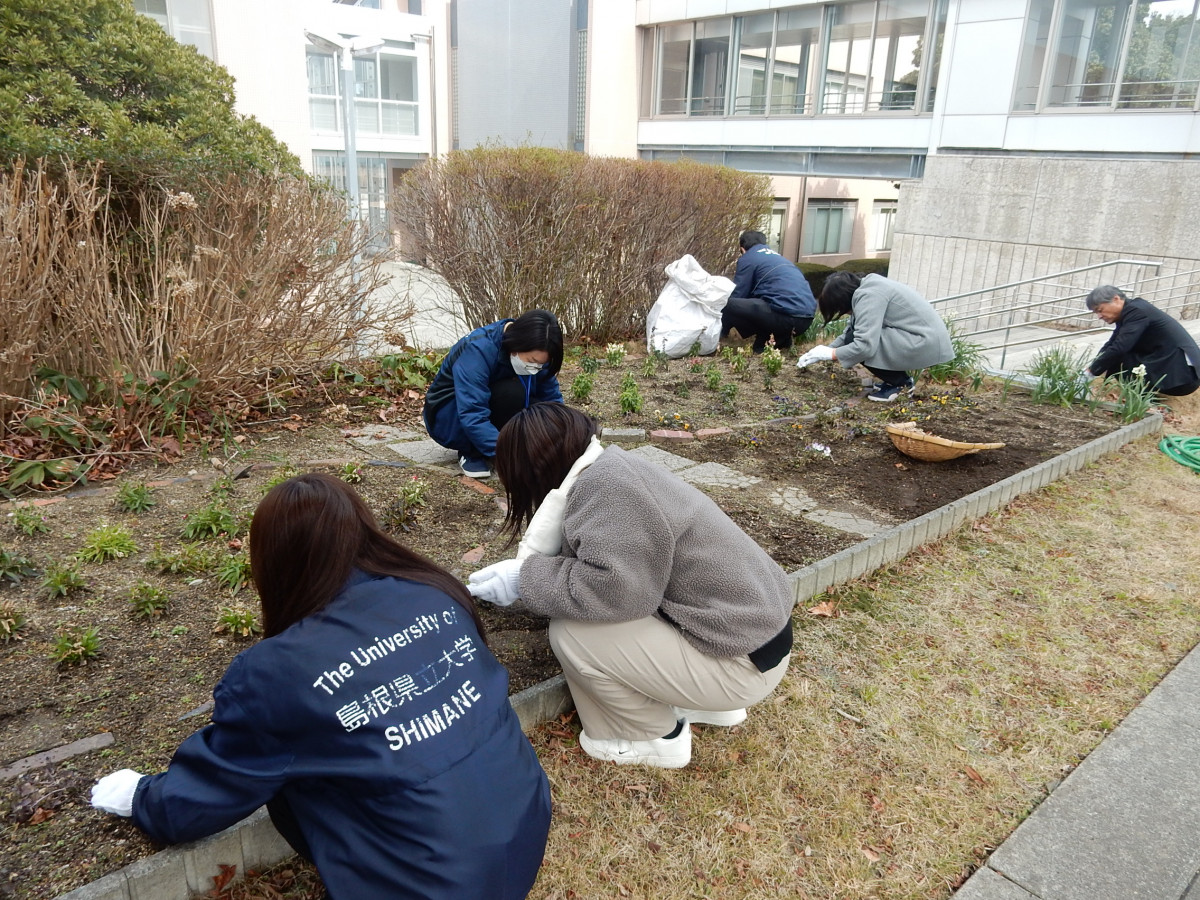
(372, 720)
(487, 378)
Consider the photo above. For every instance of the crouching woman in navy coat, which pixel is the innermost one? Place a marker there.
(372, 720)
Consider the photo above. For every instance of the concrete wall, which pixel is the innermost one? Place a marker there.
(976, 221)
(514, 72)
(612, 76)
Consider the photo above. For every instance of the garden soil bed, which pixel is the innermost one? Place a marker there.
(151, 681)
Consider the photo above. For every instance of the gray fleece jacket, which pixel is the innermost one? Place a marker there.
(637, 539)
(892, 327)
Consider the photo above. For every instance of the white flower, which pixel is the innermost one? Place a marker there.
(820, 448)
(1140, 371)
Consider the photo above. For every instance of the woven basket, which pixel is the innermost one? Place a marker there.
(912, 441)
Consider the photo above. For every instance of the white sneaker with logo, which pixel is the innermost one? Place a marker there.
(664, 753)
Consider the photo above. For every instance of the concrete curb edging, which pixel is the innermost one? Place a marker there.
(179, 872)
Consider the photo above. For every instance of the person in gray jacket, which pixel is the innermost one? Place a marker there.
(663, 613)
(892, 331)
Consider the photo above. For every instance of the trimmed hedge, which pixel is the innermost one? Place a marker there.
(866, 266)
(816, 273)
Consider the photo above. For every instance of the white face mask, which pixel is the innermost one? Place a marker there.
(524, 368)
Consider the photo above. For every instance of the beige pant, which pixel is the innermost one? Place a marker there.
(626, 676)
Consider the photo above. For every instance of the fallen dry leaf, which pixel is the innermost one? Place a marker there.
(869, 853)
(40, 815)
(825, 608)
(973, 775)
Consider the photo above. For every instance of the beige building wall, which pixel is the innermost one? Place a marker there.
(794, 192)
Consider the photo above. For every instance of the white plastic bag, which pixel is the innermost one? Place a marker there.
(688, 310)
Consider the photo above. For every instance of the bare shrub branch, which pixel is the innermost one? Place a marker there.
(588, 238)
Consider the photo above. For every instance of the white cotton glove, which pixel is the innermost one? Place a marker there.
(819, 353)
(114, 793)
(499, 583)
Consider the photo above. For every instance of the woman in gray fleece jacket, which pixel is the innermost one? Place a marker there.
(662, 611)
(892, 330)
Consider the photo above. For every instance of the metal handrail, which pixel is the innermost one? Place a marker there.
(1068, 293)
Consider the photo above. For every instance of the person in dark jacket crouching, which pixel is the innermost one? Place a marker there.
(488, 377)
(770, 298)
(1144, 337)
(662, 611)
(371, 720)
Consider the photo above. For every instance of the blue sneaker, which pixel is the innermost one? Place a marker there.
(886, 393)
(474, 468)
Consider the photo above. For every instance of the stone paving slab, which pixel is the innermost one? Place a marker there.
(426, 452)
(844, 521)
(1125, 825)
(793, 500)
(663, 458)
(988, 885)
(372, 436)
(716, 475)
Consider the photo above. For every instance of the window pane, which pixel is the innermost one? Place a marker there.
(750, 95)
(711, 68)
(321, 77)
(1088, 52)
(1163, 64)
(366, 116)
(398, 77)
(155, 9)
(191, 14)
(885, 222)
(1033, 54)
(366, 78)
(323, 114)
(829, 226)
(675, 50)
(849, 54)
(896, 57)
(934, 64)
(795, 55)
(399, 118)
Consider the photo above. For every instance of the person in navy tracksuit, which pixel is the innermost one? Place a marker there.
(771, 297)
(487, 378)
(372, 720)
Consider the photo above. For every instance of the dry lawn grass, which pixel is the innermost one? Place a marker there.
(920, 725)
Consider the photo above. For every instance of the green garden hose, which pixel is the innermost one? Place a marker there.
(1184, 450)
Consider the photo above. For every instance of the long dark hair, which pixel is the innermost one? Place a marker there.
(309, 532)
(838, 294)
(535, 450)
(537, 329)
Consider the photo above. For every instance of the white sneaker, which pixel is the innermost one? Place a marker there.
(665, 753)
(726, 719)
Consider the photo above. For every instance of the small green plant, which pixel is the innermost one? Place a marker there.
(631, 397)
(1135, 396)
(234, 571)
(239, 621)
(772, 360)
(222, 488)
(674, 420)
(694, 350)
(403, 512)
(279, 476)
(1058, 371)
(682, 391)
(649, 367)
(107, 542)
(190, 559)
(15, 568)
(12, 620)
(76, 646)
(967, 361)
(209, 521)
(135, 496)
(60, 579)
(729, 392)
(147, 601)
(395, 372)
(28, 521)
(581, 387)
(589, 365)
(712, 377)
(696, 364)
(614, 354)
(351, 473)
